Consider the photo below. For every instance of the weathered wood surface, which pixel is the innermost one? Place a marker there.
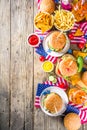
(20, 70)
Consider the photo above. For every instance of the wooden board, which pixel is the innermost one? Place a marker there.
(20, 70)
(4, 64)
(21, 65)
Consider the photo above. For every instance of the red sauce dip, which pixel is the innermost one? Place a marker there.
(33, 40)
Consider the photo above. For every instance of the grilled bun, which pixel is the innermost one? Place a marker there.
(66, 66)
(57, 41)
(53, 103)
(72, 121)
(47, 6)
(84, 78)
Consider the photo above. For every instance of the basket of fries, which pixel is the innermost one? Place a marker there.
(43, 21)
(63, 20)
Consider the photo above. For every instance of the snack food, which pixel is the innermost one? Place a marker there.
(77, 96)
(43, 21)
(63, 20)
(53, 102)
(80, 11)
(57, 41)
(72, 121)
(66, 66)
(47, 6)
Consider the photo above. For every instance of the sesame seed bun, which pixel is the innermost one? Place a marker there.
(67, 66)
(47, 6)
(53, 103)
(72, 121)
(57, 41)
(84, 78)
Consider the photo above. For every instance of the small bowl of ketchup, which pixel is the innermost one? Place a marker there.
(33, 40)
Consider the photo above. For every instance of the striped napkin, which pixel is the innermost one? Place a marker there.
(71, 107)
(79, 39)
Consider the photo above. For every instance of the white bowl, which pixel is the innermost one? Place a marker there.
(58, 91)
(53, 53)
(62, 21)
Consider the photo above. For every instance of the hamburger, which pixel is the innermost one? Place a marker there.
(47, 6)
(77, 95)
(66, 66)
(57, 41)
(53, 103)
(72, 121)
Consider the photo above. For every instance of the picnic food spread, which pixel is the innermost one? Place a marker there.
(61, 27)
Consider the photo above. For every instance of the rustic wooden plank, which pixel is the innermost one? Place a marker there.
(29, 99)
(21, 62)
(39, 75)
(4, 63)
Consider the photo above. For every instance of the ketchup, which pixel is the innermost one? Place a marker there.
(33, 40)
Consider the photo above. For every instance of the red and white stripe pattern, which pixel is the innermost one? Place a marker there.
(82, 110)
(48, 57)
(83, 28)
(37, 102)
(82, 113)
(60, 81)
(52, 59)
(38, 4)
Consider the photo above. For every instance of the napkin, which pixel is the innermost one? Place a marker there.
(79, 39)
(71, 107)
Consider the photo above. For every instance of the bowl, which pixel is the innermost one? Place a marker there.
(53, 53)
(58, 91)
(47, 66)
(64, 21)
(40, 18)
(33, 40)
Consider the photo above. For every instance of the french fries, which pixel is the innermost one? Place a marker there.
(43, 21)
(63, 20)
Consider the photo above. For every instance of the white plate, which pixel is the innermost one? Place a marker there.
(58, 91)
(53, 53)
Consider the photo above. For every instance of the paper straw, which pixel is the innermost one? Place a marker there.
(82, 2)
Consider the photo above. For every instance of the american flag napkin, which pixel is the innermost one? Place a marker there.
(71, 107)
(79, 39)
(40, 50)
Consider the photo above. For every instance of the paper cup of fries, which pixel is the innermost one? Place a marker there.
(43, 21)
(63, 20)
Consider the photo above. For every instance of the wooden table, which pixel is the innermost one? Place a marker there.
(20, 70)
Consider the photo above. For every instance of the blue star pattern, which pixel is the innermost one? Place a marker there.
(40, 88)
